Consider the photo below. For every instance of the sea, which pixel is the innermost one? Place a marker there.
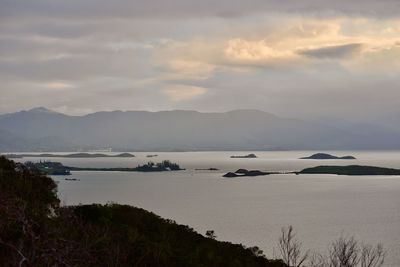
(252, 210)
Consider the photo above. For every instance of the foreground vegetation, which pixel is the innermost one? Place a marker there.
(36, 231)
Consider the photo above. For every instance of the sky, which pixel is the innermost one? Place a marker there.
(305, 59)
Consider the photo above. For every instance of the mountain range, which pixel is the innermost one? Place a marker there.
(41, 129)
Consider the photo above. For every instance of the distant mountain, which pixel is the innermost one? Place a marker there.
(41, 129)
(14, 142)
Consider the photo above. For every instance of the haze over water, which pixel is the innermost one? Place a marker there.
(251, 210)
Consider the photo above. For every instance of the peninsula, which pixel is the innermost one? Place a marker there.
(350, 170)
(338, 170)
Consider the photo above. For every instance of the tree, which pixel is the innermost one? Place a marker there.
(290, 248)
(211, 234)
(346, 252)
(372, 256)
(317, 260)
(257, 251)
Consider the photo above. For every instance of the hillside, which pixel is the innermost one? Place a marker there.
(36, 231)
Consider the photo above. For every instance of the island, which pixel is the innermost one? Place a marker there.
(338, 170)
(350, 170)
(152, 156)
(48, 168)
(207, 169)
(165, 165)
(249, 156)
(327, 156)
(244, 172)
(57, 168)
(74, 155)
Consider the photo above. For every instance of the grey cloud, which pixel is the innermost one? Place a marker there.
(332, 52)
(191, 8)
(43, 41)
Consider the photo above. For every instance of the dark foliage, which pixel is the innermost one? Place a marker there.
(165, 165)
(35, 231)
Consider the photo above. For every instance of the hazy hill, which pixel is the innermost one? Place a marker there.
(42, 129)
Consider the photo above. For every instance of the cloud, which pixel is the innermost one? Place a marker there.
(94, 9)
(333, 51)
(284, 57)
(181, 92)
(58, 85)
(191, 70)
(239, 50)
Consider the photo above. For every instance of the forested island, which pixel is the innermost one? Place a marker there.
(57, 168)
(74, 155)
(35, 230)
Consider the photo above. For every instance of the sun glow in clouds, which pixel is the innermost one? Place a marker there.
(58, 85)
(136, 58)
(180, 92)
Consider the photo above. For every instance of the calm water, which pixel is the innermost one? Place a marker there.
(252, 210)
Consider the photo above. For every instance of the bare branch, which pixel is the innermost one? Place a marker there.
(372, 256)
(290, 248)
(344, 252)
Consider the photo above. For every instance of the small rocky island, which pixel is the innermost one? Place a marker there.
(327, 156)
(249, 156)
(350, 170)
(244, 172)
